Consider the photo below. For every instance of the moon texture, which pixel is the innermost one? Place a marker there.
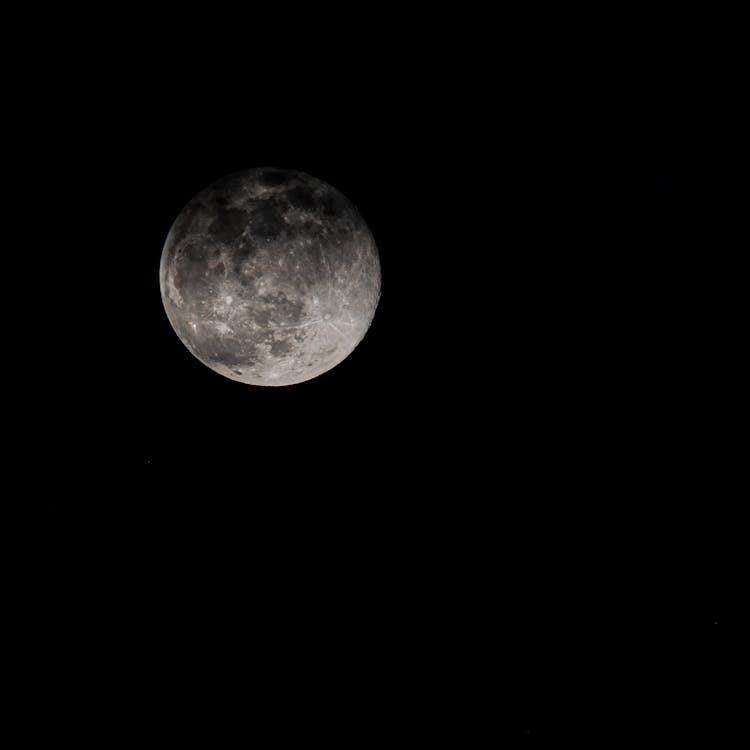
(270, 277)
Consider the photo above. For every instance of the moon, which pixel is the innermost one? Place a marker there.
(270, 277)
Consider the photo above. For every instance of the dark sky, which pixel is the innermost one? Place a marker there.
(515, 493)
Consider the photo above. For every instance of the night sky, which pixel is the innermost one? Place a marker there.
(509, 514)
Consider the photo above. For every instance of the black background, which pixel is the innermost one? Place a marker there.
(509, 512)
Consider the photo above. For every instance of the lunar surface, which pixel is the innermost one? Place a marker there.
(270, 277)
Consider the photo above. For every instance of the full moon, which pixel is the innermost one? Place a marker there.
(270, 277)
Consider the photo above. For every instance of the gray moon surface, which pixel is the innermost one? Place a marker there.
(270, 277)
